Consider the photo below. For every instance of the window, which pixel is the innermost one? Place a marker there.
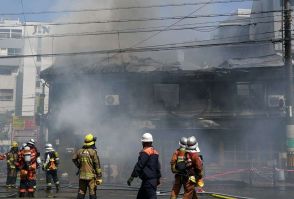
(16, 33)
(6, 94)
(167, 94)
(243, 89)
(8, 70)
(250, 95)
(4, 33)
(3, 52)
(14, 51)
(10, 33)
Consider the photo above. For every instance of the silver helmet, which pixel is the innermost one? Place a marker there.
(183, 142)
(49, 147)
(193, 144)
(32, 142)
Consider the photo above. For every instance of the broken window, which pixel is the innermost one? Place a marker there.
(167, 94)
(250, 95)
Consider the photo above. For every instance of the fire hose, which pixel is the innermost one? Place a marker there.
(7, 194)
(117, 187)
(161, 192)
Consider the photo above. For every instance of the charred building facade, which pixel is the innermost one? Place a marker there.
(236, 110)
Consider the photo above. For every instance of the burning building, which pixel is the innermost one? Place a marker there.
(235, 110)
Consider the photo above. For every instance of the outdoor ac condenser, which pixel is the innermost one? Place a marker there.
(275, 101)
(111, 100)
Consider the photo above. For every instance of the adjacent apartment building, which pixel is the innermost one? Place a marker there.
(20, 84)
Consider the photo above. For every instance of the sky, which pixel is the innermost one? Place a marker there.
(14, 6)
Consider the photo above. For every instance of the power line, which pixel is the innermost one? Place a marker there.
(168, 27)
(218, 39)
(161, 45)
(125, 8)
(144, 30)
(24, 17)
(146, 19)
(141, 49)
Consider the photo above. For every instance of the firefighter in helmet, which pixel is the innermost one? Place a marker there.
(11, 158)
(88, 163)
(178, 167)
(50, 166)
(194, 169)
(28, 162)
(28, 165)
(147, 169)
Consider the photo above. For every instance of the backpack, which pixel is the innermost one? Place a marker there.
(181, 164)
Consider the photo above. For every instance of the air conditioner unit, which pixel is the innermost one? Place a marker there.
(111, 100)
(275, 101)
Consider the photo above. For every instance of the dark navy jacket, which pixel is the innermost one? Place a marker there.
(148, 166)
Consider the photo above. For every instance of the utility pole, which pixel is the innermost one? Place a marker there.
(289, 91)
(41, 114)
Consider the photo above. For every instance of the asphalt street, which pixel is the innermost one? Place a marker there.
(123, 192)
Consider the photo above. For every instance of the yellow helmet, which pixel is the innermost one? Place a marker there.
(14, 144)
(89, 140)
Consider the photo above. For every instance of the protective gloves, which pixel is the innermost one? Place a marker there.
(200, 183)
(130, 180)
(192, 179)
(98, 181)
(173, 168)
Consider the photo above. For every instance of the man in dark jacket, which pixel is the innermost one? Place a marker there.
(147, 169)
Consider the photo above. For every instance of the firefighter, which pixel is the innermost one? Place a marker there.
(50, 166)
(147, 169)
(88, 163)
(11, 158)
(27, 163)
(194, 169)
(178, 167)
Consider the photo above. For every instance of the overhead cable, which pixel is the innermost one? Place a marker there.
(125, 8)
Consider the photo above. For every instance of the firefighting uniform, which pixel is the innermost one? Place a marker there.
(51, 166)
(148, 170)
(179, 176)
(11, 158)
(27, 172)
(194, 169)
(88, 163)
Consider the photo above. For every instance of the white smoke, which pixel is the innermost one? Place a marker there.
(116, 41)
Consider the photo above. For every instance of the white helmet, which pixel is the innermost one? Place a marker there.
(193, 144)
(27, 148)
(23, 145)
(32, 142)
(147, 137)
(183, 142)
(49, 147)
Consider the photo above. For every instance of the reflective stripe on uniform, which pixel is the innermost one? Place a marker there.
(31, 190)
(22, 190)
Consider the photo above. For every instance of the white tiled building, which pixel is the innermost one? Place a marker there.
(20, 84)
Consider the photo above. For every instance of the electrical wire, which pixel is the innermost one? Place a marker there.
(24, 17)
(161, 45)
(141, 49)
(124, 8)
(132, 31)
(147, 19)
(219, 39)
(168, 27)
